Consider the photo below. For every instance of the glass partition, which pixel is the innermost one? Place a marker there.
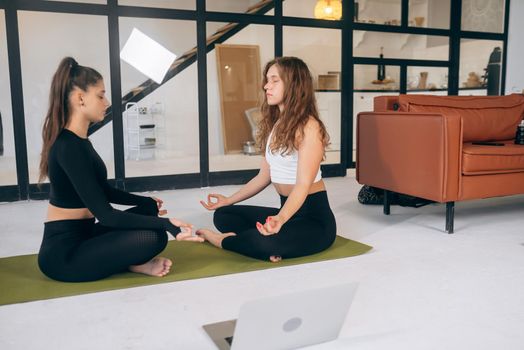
(83, 37)
(306, 43)
(7, 143)
(480, 65)
(483, 15)
(429, 13)
(234, 87)
(426, 79)
(378, 11)
(161, 125)
(376, 77)
(403, 46)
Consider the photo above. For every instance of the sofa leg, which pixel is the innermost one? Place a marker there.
(450, 215)
(387, 202)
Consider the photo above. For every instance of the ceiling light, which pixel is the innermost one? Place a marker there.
(328, 9)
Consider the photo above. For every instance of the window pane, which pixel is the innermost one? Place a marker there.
(235, 93)
(429, 13)
(241, 6)
(37, 30)
(313, 9)
(379, 11)
(366, 77)
(325, 69)
(7, 143)
(161, 130)
(168, 4)
(476, 58)
(483, 16)
(395, 45)
(426, 79)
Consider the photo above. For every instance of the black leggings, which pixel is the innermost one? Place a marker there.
(81, 251)
(311, 230)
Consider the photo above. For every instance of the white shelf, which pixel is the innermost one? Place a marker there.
(144, 130)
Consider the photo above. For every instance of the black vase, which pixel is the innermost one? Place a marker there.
(381, 69)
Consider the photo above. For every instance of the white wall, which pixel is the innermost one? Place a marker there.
(515, 67)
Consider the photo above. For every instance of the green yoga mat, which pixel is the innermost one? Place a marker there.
(22, 281)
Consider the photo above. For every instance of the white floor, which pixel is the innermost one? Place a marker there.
(419, 288)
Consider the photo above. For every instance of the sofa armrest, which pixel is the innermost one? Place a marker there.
(416, 154)
(386, 103)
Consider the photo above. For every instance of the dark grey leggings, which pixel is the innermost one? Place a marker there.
(80, 250)
(311, 230)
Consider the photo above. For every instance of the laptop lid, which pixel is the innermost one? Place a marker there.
(293, 320)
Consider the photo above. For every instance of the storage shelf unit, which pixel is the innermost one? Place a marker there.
(145, 130)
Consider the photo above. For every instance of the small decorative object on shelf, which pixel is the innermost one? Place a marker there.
(249, 148)
(330, 81)
(381, 69)
(519, 135)
(419, 21)
(423, 80)
(473, 80)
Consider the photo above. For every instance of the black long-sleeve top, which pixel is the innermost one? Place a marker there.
(78, 178)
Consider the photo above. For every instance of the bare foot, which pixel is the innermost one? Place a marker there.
(158, 267)
(275, 258)
(213, 237)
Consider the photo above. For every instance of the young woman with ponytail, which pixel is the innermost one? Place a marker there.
(75, 248)
(294, 140)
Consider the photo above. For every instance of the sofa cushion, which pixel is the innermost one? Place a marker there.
(485, 118)
(481, 160)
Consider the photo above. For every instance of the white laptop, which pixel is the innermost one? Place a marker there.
(287, 321)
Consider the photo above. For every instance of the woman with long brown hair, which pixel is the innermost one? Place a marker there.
(75, 248)
(294, 139)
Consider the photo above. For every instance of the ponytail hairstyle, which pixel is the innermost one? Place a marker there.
(299, 106)
(68, 76)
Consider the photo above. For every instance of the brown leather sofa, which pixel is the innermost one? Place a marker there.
(423, 146)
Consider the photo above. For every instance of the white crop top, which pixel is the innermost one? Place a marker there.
(283, 168)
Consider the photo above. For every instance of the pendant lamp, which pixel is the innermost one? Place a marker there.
(328, 9)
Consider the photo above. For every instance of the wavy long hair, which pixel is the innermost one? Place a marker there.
(299, 106)
(68, 75)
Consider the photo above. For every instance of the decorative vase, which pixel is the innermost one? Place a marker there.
(423, 80)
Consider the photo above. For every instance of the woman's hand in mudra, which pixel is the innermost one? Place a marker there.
(272, 226)
(186, 231)
(159, 204)
(215, 201)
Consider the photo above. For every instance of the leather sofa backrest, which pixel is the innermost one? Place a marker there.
(485, 118)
